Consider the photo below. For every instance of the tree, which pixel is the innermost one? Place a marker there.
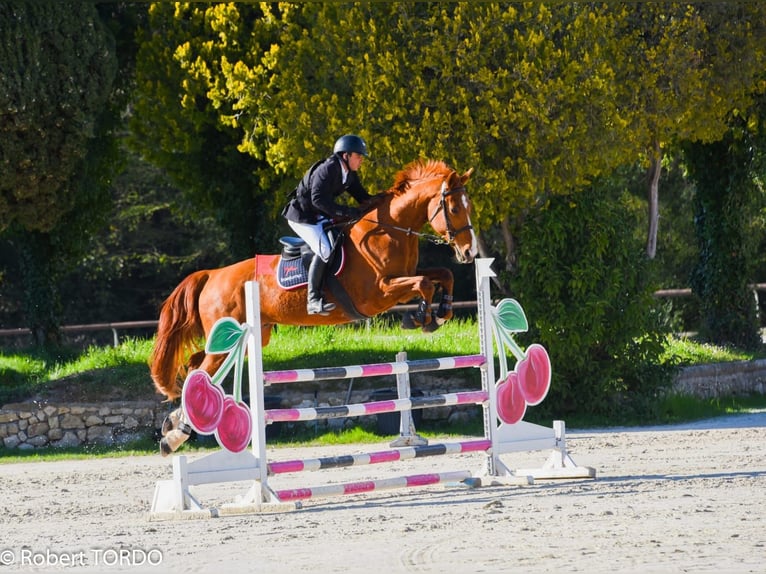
(728, 196)
(521, 92)
(178, 124)
(587, 290)
(150, 241)
(57, 151)
(58, 69)
(683, 69)
(541, 99)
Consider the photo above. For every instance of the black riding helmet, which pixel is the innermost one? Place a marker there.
(350, 143)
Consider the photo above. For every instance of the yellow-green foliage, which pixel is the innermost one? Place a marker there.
(539, 98)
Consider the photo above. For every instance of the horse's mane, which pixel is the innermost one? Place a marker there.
(417, 170)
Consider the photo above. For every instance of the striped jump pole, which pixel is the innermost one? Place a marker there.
(298, 494)
(404, 453)
(374, 370)
(375, 407)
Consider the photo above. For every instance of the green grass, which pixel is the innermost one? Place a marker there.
(376, 341)
(305, 436)
(687, 351)
(680, 408)
(137, 448)
(95, 370)
(101, 370)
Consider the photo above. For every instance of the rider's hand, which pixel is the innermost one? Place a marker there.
(373, 201)
(354, 213)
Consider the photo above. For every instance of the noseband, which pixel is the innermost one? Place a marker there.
(451, 231)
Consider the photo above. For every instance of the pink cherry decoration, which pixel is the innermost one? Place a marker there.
(206, 407)
(511, 405)
(534, 374)
(203, 402)
(236, 426)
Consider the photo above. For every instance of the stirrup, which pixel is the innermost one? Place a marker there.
(319, 307)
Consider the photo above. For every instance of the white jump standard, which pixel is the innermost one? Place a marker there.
(504, 401)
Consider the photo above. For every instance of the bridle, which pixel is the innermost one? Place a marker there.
(451, 231)
(435, 239)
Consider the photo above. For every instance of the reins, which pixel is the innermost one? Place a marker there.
(435, 239)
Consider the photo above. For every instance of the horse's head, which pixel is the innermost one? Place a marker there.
(432, 192)
(450, 216)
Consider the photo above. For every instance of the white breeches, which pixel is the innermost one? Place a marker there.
(314, 236)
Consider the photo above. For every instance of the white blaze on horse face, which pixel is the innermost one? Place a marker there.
(474, 242)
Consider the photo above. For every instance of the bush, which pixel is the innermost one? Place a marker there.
(585, 285)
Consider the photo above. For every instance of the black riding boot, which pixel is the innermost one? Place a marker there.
(316, 276)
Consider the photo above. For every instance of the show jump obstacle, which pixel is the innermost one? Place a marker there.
(237, 425)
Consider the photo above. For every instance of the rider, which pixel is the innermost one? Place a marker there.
(313, 204)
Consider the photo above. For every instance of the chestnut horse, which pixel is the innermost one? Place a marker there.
(379, 271)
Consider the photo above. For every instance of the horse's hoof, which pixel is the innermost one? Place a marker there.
(171, 421)
(408, 322)
(167, 426)
(165, 449)
(431, 327)
(174, 439)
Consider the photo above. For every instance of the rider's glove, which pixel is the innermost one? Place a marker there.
(353, 213)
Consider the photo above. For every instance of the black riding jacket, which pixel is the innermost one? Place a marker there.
(315, 195)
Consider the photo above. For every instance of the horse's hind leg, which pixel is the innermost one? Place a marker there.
(212, 363)
(175, 432)
(174, 439)
(171, 421)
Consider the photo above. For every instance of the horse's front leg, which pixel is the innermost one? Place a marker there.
(420, 318)
(424, 285)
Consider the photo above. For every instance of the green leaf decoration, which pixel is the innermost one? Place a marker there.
(511, 316)
(224, 336)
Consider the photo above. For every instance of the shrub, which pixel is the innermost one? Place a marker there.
(585, 285)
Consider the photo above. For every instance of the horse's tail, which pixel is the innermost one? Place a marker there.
(178, 328)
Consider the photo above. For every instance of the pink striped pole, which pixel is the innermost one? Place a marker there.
(371, 485)
(404, 453)
(375, 407)
(373, 370)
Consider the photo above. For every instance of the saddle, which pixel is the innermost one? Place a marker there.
(294, 261)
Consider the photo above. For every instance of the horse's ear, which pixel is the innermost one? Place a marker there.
(466, 176)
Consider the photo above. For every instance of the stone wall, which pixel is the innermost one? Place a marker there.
(31, 425)
(39, 424)
(723, 379)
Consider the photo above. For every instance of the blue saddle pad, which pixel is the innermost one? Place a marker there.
(292, 272)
